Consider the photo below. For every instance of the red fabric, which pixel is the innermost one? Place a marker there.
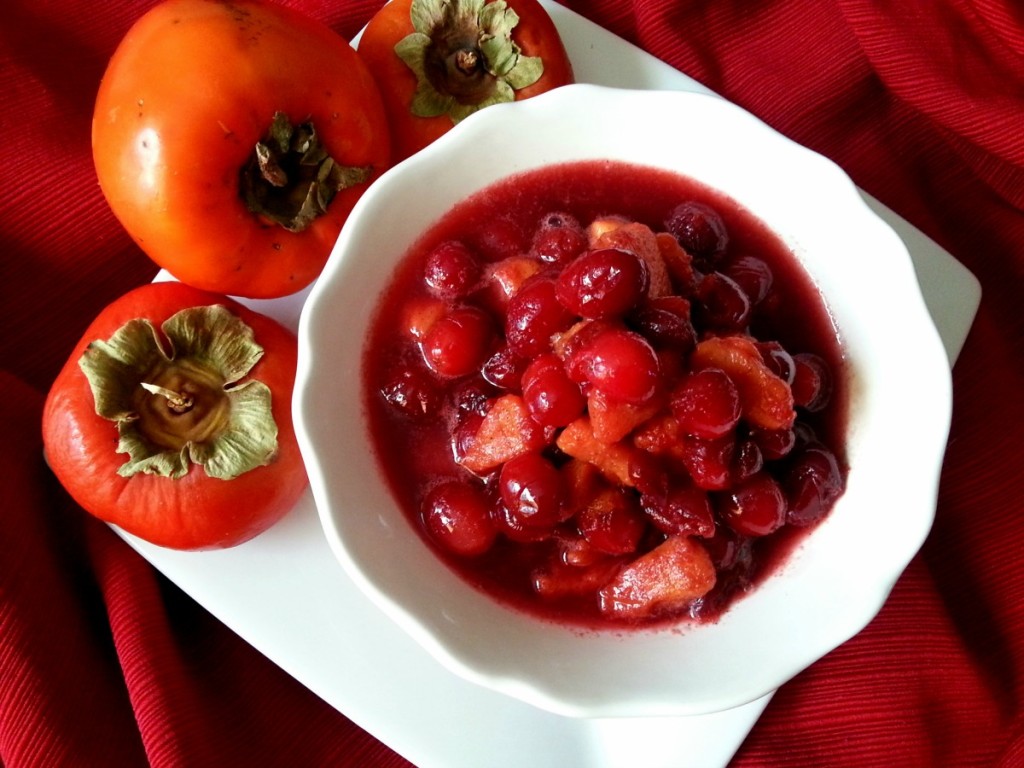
(103, 662)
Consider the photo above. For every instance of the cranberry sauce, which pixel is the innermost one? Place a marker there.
(607, 395)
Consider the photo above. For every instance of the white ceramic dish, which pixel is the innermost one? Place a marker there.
(838, 578)
(284, 593)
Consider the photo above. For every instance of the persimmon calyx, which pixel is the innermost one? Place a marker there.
(290, 179)
(180, 397)
(464, 58)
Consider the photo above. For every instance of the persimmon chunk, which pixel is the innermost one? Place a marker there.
(612, 420)
(765, 399)
(559, 580)
(503, 279)
(506, 431)
(613, 459)
(673, 574)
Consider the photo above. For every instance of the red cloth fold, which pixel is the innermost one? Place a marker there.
(104, 662)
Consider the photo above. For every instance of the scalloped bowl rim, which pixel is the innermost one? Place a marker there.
(831, 586)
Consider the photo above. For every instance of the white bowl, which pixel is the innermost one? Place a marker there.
(831, 586)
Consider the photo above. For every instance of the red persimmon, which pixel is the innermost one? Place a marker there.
(436, 62)
(231, 140)
(172, 419)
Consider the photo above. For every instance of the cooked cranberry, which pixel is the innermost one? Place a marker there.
(683, 510)
(755, 507)
(499, 239)
(752, 274)
(648, 474)
(665, 322)
(464, 432)
(558, 239)
(552, 398)
(456, 515)
(706, 403)
(813, 483)
(700, 230)
(451, 270)
(612, 524)
(747, 461)
(504, 369)
(514, 529)
(571, 347)
(459, 342)
(533, 491)
(727, 548)
(721, 303)
(709, 462)
(618, 363)
(472, 396)
(535, 315)
(778, 360)
(604, 283)
(413, 392)
(774, 443)
(812, 382)
(804, 434)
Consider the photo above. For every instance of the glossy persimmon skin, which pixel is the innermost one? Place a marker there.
(191, 88)
(535, 34)
(194, 511)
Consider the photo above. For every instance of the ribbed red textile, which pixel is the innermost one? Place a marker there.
(103, 662)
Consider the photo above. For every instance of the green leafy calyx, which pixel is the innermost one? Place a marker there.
(464, 58)
(179, 395)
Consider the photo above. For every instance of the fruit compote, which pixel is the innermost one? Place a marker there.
(607, 395)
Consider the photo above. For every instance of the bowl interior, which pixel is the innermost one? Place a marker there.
(830, 587)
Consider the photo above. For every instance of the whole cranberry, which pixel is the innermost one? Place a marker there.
(504, 368)
(665, 321)
(700, 230)
(459, 342)
(752, 274)
(604, 283)
(413, 392)
(774, 443)
(451, 270)
(778, 360)
(558, 239)
(619, 363)
(728, 549)
(613, 524)
(553, 399)
(748, 459)
(721, 303)
(533, 491)
(812, 382)
(706, 403)
(709, 462)
(500, 238)
(813, 483)
(456, 515)
(534, 315)
(683, 510)
(754, 507)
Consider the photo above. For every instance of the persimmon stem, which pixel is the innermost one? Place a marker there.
(290, 179)
(179, 402)
(467, 61)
